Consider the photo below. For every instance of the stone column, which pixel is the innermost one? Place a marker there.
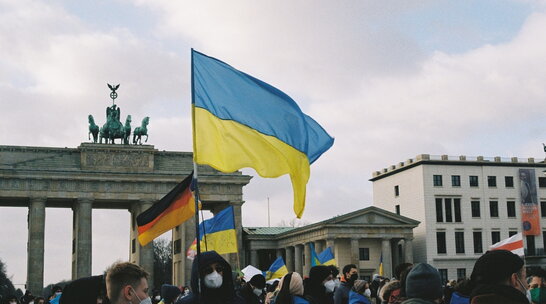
(81, 238)
(35, 245)
(318, 246)
(307, 262)
(189, 237)
(254, 258)
(279, 253)
(239, 229)
(387, 257)
(141, 255)
(408, 250)
(355, 258)
(298, 257)
(289, 258)
(331, 243)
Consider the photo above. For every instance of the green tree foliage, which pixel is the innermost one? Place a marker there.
(163, 262)
(6, 286)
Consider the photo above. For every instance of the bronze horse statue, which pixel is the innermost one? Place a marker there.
(140, 131)
(93, 128)
(127, 129)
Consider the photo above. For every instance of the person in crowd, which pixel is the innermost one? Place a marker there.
(319, 286)
(382, 283)
(290, 290)
(39, 300)
(499, 277)
(169, 294)
(11, 299)
(89, 290)
(360, 293)
(335, 275)
(156, 296)
(56, 292)
(374, 287)
(461, 292)
(252, 292)
(537, 290)
(448, 290)
(271, 290)
(390, 293)
(127, 283)
(186, 291)
(27, 297)
(423, 285)
(213, 275)
(349, 276)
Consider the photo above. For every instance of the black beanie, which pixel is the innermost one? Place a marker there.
(319, 273)
(169, 292)
(495, 266)
(258, 281)
(424, 282)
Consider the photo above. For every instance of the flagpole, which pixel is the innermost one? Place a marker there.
(195, 176)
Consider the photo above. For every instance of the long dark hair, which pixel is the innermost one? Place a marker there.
(284, 296)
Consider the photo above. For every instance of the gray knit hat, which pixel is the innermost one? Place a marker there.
(424, 282)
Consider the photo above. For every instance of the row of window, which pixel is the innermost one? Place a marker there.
(461, 274)
(474, 181)
(449, 209)
(441, 246)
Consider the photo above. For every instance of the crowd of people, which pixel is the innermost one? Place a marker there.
(498, 277)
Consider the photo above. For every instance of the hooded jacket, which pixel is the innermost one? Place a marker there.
(356, 298)
(485, 294)
(223, 295)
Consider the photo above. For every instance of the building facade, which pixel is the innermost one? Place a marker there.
(464, 205)
(361, 237)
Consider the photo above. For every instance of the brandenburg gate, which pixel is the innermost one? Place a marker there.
(130, 177)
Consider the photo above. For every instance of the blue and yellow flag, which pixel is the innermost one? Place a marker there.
(381, 265)
(240, 121)
(218, 233)
(314, 257)
(277, 270)
(327, 257)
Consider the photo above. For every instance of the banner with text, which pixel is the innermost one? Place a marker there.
(530, 217)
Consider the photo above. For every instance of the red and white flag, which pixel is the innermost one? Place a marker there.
(192, 250)
(513, 243)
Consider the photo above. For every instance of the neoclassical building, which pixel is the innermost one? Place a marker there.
(360, 237)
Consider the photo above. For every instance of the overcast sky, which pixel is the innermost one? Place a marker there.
(388, 79)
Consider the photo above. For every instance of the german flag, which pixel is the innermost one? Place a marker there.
(172, 210)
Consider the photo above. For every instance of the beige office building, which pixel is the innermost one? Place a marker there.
(464, 204)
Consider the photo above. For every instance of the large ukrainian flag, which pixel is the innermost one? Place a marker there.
(327, 257)
(218, 233)
(240, 121)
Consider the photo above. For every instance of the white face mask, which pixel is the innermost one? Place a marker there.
(31, 302)
(368, 293)
(213, 280)
(147, 300)
(258, 292)
(158, 298)
(338, 282)
(58, 293)
(330, 285)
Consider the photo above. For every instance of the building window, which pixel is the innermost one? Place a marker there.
(531, 249)
(543, 209)
(456, 180)
(457, 208)
(459, 242)
(441, 242)
(494, 209)
(544, 239)
(495, 237)
(512, 232)
(509, 181)
(437, 180)
(511, 208)
(461, 273)
(397, 209)
(491, 181)
(439, 211)
(364, 254)
(475, 208)
(396, 190)
(542, 182)
(478, 246)
(447, 203)
(473, 181)
(177, 246)
(443, 275)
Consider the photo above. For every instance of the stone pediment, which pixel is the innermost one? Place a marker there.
(371, 216)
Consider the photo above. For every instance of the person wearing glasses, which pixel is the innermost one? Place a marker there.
(215, 279)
